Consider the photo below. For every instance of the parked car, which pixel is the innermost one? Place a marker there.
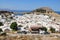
(46, 33)
(22, 32)
(41, 32)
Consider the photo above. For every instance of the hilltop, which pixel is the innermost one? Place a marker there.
(46, 11)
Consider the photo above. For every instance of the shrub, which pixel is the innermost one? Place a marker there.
(1, 24)
(52, 30)
(13, 26)
(44, 28)
(0, 30)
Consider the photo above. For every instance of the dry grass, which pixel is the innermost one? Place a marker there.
(30, 37)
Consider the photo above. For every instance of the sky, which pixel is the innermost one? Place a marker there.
(29, 4)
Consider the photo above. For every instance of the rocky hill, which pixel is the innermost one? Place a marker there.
(43, 10)
(47, 11)
(5, 13)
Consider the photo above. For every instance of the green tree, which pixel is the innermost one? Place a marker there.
(1, 30)
(1, 24)
(13, 26)
(44, 28)
(52, 30)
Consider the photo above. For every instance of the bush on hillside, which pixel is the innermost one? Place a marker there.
(13, 26)
(52, 30)
(1, 30)
(44, 28)
(1, 24)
